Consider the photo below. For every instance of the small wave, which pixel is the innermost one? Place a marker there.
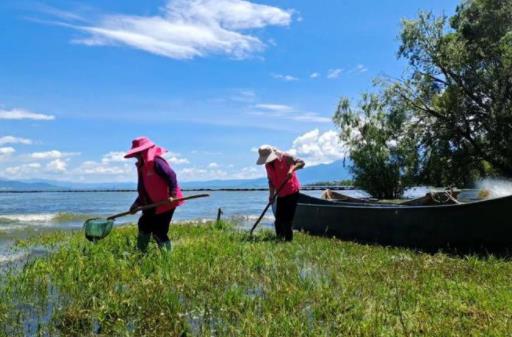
(42, 219)
(15, 218)
(255, 217)
(11, 257)
(72, 217)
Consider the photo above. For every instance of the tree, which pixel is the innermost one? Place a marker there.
(450, 116)
(460, 79)
(383, 160)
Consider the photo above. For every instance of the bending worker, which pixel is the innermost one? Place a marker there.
(156, 182)
(282, 180)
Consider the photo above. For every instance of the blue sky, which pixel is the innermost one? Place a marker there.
(210, 80)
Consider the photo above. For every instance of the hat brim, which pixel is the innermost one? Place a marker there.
(262, 160)
(139, 149)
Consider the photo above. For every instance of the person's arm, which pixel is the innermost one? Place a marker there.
(139, 201)
(163, 169)
(295, 164)
(134, 205)
(271, 191)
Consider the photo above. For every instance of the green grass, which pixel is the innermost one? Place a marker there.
(218, 282)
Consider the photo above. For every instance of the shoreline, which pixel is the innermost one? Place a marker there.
(304, 188)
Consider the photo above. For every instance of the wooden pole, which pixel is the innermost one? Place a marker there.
(219, 214)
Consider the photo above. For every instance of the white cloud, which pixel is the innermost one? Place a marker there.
(53, 154)
(361, 68)
(275, 107)
(334, 73)
(317, 148)
(311, 117)
(314, 75)
(250, 172)
(175, 158)
(18, 114)
(14, 140)
(193, 173)
(245, 96)
(57, 166)
(286, 78)
(287, 112)
(215, 172)
(22, 170)
(213, 165)
(113, 157)
(6, 152)
(185, 29)
(94, 168)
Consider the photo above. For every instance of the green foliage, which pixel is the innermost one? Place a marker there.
(218, 282)
(461, 81)
(454, 103)
(383, 160)
(346, 182)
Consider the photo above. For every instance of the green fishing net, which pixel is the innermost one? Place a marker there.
(97, 228)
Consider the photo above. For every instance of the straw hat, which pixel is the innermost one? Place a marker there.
(139, 144)
(267, 154)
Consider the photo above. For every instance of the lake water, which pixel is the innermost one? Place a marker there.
(23, 214)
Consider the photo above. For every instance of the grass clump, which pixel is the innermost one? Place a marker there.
(220, 282)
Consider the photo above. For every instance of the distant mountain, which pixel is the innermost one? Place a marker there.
(12, 185)
(232, 183)
(327, 172)
(85, 186)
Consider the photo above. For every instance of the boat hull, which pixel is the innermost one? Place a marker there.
(476, 225)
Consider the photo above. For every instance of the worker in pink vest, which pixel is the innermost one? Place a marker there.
(156, 182)
(282, 180)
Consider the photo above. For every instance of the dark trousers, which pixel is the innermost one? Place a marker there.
(156, 224)
(284, 216)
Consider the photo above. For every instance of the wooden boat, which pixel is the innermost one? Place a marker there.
(474, 225)
(338, 196)
(448, 197)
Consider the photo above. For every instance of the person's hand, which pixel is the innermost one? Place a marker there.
(134, 209)
(171, 200)
(290, 173)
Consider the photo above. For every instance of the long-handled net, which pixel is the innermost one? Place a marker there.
(97, 228)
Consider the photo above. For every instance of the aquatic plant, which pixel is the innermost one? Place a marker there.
(218, 281)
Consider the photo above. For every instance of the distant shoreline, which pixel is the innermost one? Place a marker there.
(305, 188)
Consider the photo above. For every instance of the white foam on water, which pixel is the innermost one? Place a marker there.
(11, 257)
(494, 188)
(17, 222)
(43, 217)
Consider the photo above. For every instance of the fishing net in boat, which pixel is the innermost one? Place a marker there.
(97, 228)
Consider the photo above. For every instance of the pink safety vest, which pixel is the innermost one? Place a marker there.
(156, 187)
(277, 172)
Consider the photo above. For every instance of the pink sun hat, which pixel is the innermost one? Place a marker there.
(139, 144)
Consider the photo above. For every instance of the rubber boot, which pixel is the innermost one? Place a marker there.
(166, 246)
(143, 242)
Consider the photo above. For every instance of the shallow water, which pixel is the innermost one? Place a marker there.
(23, 214)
